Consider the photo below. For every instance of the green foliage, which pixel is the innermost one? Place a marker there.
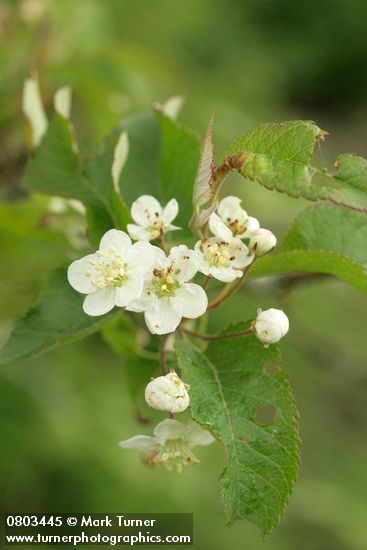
(241, 394)
(57, 319)
(56, 169)
(162, 161)
(26, 238)
(323, 239)
(239, 390)
(278, 155)
(179, 157)
(140, 175)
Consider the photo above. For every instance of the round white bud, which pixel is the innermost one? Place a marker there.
(167, 393)
(271, 325)
(262, 241)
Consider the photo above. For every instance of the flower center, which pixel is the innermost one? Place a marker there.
(165, 283)
(175, 453)
(108, 270)
(236, 226)
(155, 224)
(219, 254)
(156, 228)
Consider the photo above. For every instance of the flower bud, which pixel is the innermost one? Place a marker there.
(262, 241)
(167, 393)
(271, 325)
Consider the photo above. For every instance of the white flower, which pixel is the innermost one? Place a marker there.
(151, 220)
(167, 295)
(114, 275)
(223, 260)
(262, 241)
(271, 325)
(232, 220)
(172, 443)
(167, 393)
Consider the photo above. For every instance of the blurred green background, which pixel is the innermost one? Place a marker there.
(63, 414)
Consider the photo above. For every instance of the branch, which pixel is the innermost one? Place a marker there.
(229, 289)
(218, 336)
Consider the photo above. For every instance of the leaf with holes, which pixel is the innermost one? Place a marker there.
(278, 156)
(240, 393)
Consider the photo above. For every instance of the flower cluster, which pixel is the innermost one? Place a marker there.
(225, 254)
(143, 278)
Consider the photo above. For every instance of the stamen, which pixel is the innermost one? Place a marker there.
(109, 270)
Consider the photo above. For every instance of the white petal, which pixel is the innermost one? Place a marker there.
(161, 318)
(190, 300)
(62, 101)
(228, 206)
(225, 274)
(99, 302)
(171, 227)
(142, 443)
(218, 228)
(197, 436)
(137, 306)
(276, 316)
(183, 260)
(229, 209)
(252, 225)
(172, 106)
(268, 332)
(242, 256)
(262, 241)
(201, 262)
(161, 261)
(129, 290)
(116, 239)
(243, 260)
(169, 429)
(120, 155)
(140, 257)
(77, 274)
(167, 393)
(33, 109)
(145, 210)
(170, 211)
(139, 233)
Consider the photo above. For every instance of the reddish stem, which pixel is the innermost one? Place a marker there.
(218, 336)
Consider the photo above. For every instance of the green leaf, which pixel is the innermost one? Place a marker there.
(162, 161)
(278, 156)
(56, 170)
(179, 156)
(240, 392)
(328, 227)
(141, 170)
(99, 172)
(56, 320)
(41, 249)
(323, 239)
